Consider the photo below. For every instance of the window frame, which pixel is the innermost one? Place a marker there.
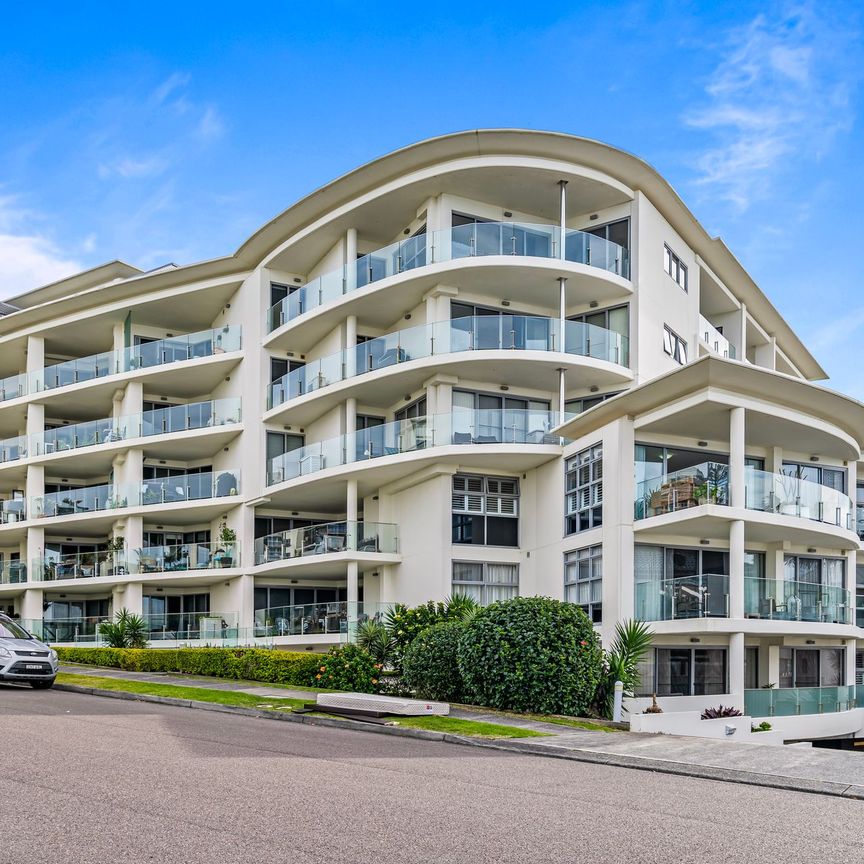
(674, 345)
(573, 561)
(487, 588)
(486, 489)
(593, 458)
(672, 262)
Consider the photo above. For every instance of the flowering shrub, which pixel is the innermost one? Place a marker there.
(430, 667)
(348, 668)
(531, 654)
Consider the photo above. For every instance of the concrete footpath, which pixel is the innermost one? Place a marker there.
(802, 769)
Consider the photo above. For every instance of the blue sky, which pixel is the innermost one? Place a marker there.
(157, 132)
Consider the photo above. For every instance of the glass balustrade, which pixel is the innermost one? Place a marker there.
(473, 333)
(186, 556)
(792, 701)
(714, 339)
(322, 539)
(705, 595)
(189, 487)
(316, 619)
(160, 421)
(780, 600)
(791, 496)
(12, 572)
(462, 241)
(13, 387)
(88, 499)
(12, 510)
(13, 449)
(192, 626)
(515, 426)
(706, 483)
(83, 565)
(65, 629)
(149, 354)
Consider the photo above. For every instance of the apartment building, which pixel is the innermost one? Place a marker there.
(498, 362)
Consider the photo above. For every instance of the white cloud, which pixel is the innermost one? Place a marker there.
(211, 124)
(779, 95)
(127, 166)
(28, 259)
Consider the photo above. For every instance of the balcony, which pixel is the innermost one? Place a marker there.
(13, 449)
(463, 241)
(791, 496)
(12, 510)
(409, 436)
(777, 600)
(705, 595)
(160, 421)
(714, 339)
(212, 627)
(792, 701)
(480, 333)
(364, 537)
(65, 629)
(12, 572)
(317, 619)
(708, 483)
(207, 343)
(152, 559)
(164, 490)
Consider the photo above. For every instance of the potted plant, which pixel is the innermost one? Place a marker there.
(115, 547)
(227, 538)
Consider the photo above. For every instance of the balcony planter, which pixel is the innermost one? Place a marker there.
(227, 537)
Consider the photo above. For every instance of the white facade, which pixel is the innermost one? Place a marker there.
(369, 393)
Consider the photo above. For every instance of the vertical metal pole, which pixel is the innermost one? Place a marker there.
(563, 185)
(560, 395)
(562, 313)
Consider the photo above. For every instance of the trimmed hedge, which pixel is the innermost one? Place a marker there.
(347, 668)
(430, 666)
(249, 664)
(531, 654)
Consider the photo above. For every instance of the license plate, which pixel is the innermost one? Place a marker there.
(33, 666)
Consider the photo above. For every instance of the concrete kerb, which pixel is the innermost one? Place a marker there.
(616, 760)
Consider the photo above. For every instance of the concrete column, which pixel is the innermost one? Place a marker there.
(34, 487)
(852, 491)
(351, 454)
(350, 259)
(736, 569)
(129, 596)
(351, 513)
(35, 359)
(737, 490)
(742, 333)
(562, 397)
(851, 645)
(773, 665)
(31, 604)
(350, 346)
(246, 601)
(736, 669)
(353, 598)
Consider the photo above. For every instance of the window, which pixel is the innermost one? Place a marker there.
(485, 510)
(615, 232)
(486, 582)
(577, 406)
(584, 490)
(673, 265)
(674, 345)
(833, 478)
(413, 411)
(689, 672)
(583, 580)
(859, 509)
(482, 418)
(812, 667)
(616, 320)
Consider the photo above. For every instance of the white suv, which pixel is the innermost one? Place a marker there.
(24, 658)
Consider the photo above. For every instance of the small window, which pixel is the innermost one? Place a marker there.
(583, 581)
(584, 490)
(674, 345)
(486, 582)
(485, 510)
(675, 267)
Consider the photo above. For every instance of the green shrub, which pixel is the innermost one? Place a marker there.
(531, 654)
(347, 668)
(405, 623)
(250, 664)
(430, 666)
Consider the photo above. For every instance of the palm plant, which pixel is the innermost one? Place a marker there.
(126, 631)
(631, 643)
(375, 639)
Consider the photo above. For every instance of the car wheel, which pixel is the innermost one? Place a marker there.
(42, 685)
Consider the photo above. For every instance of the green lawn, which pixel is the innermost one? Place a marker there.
(472, 728)
(198, 694)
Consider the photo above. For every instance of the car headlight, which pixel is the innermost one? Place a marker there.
(5, 652)
(53, 655)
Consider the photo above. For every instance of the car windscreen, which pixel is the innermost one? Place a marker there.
(10, 630)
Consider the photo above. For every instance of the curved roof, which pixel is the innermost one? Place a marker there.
(634, 172)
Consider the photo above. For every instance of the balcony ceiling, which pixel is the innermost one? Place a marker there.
(524, 190)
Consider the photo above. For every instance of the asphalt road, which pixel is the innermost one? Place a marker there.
(87, 779)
